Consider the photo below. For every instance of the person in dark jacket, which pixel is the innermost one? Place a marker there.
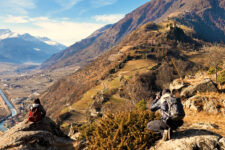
(165, 125)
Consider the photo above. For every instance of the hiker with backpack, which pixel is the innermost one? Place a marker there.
(36, 112)
(172, 114)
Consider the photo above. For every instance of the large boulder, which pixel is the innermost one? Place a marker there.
(201, 103)
(192, 139)
(44, 135)
(204, 86)
(178, 85)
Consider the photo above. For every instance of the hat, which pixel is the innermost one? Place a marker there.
(165, 91)
(37, 101)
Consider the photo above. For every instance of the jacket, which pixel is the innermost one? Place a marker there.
(162, 105)
(40, 108)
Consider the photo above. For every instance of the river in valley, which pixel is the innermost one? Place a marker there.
(12, 109)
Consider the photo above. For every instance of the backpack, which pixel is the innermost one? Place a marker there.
(176, 110)
(34, 114)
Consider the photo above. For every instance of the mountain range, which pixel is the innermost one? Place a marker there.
(205, 17)
(25, 48)
(128, 43)
(123, 66)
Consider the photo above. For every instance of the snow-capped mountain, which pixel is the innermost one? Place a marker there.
(24, 48)
(6, 33)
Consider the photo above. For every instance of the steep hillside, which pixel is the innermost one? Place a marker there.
(205, 16)
(143, 62)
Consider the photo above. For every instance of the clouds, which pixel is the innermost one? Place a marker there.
(109, 18)
(16, 6)
(16, 19)
(67, 4)
(61, 30)
(66, 32)
(101, 3)
(56, 18)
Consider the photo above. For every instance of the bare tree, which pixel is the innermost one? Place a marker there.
(216, 54)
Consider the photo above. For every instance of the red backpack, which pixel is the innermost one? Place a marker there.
(34, 115)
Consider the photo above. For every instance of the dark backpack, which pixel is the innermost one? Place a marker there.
(176, 110)
(34, 114)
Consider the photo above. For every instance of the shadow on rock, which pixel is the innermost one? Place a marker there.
(192, 133)
(192, 139)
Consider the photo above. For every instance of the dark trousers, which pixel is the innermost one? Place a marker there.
(157, 126)
(160, 125)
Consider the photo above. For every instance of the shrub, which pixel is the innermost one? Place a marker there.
(140, 87)
(141, 105)
(110, 92)
(221, 77)
(125, 130)
(212, 70)
(112, 71)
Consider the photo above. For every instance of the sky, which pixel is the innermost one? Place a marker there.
(64, 21)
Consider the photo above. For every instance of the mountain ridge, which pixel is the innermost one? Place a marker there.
(24, 48)
(155, 10)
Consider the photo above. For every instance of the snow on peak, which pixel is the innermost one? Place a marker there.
(51, 42)
(37, 49)
(6, 33)
(48, 41)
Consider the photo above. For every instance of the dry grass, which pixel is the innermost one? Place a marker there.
(165, 26)
(134, 66)
(212, 95)
(83, 104)
(199, 77)
(125, 48)
(204, 117)
(117, 104)
(130, 68)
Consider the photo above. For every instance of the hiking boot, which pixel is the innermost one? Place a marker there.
(165, 135)
(169, 133)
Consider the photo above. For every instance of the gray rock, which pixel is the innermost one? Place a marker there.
(177, 85)
(192, 103)
(190, 140)
(199, 103)
(96, 106)
(43, 135)
(188, 91)
(204, 86)
(222, 143)
(210, 107)
(223, 101)
(222, 110)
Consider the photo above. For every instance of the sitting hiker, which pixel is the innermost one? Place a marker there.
(172, 114)
(36, 112)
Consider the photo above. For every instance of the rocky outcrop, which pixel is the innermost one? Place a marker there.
(200, 103)
(99, 99)
(192, 139)
(204, 86)
(44, 135)
(178, 85)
